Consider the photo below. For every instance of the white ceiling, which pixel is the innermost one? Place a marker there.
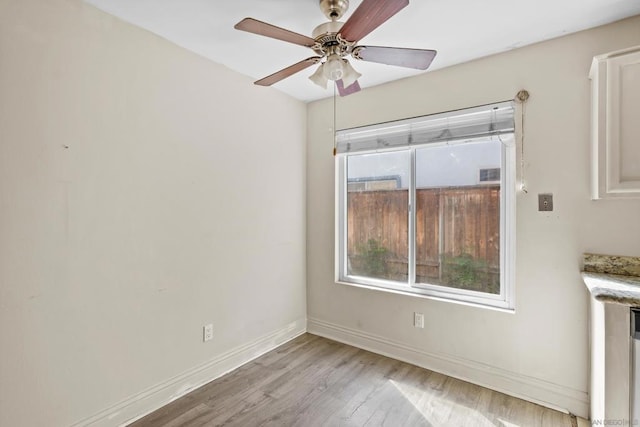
(460, 30)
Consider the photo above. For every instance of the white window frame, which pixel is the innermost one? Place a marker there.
(504, 300)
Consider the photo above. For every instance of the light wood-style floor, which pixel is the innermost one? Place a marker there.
(312, 381)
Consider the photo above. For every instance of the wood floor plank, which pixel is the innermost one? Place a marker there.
(312, 381)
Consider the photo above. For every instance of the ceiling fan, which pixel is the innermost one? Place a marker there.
(333, 41)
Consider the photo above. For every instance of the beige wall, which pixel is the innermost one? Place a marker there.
(136, 205)
(540, 352)
(144, 192)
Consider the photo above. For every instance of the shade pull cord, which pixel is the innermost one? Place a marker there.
(522, 97)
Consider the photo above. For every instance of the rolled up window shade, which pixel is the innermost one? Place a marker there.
(470, 123)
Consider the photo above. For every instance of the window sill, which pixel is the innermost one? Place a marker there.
(425, 294)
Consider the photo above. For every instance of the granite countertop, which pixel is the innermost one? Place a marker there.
(613, 279)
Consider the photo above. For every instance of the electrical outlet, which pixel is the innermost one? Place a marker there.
(545, 202)
(207, 332)
(418, 320)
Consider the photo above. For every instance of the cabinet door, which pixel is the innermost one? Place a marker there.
(618, 139)
(624, 125)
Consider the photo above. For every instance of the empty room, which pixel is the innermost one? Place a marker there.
(319, 213)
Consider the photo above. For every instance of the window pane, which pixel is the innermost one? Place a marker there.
(378, 215)
(458, 216)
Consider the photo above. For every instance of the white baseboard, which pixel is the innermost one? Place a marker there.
(525, 387)
(147, 401)
(522, 386)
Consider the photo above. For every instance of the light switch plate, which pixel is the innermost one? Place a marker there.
(545, 202)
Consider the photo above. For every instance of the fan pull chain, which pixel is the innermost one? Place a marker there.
(335, 134)
(522, 98)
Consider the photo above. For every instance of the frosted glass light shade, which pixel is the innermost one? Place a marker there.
(319, 78)
(333, 68)
(350, 75)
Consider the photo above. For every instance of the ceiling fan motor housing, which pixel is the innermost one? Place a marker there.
(334, 9)
(327, 40)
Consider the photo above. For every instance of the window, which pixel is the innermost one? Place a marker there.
(426, 205)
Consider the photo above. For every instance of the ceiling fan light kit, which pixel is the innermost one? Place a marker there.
(334, 41)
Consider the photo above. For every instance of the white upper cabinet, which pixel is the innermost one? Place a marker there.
(615, 151)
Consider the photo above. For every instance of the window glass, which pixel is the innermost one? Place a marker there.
(458, 218)
(377, 215)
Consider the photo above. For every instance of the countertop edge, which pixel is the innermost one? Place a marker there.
(613, 288)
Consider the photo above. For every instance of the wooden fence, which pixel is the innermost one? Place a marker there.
(457, 228)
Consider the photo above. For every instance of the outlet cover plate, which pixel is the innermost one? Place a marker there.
(418, 320)
(207, 332)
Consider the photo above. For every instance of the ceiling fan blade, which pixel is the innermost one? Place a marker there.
(344, 91)
(289, 71)
(369, 16)
(419, 59)
(254, 26)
